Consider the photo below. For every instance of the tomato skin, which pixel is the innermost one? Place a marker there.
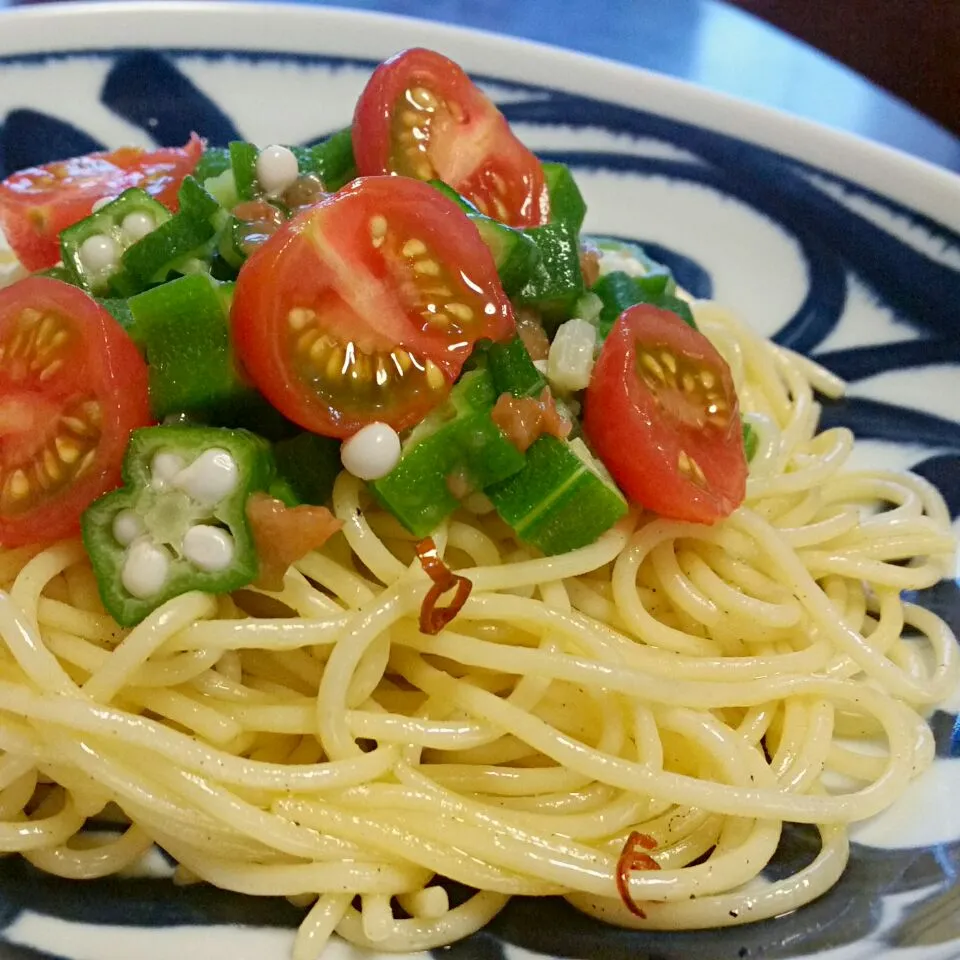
(465, 141)
(644, 429)
(37, 204)
(325, 276)
(101, 384)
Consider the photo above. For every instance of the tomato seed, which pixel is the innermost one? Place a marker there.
(460, 310)
(435, 378)
(299, 317)
(414, 248)
(67, 450)
(649, 362)
(18, 485)
(429, 268)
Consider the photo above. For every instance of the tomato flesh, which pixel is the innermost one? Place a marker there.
(37, 204)
(366, 306)
(662, 414)
(421, 116)
(72, 387)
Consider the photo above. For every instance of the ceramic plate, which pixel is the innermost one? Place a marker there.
(830, 245)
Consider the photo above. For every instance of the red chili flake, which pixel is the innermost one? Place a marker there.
(631, 859)
(433, 618)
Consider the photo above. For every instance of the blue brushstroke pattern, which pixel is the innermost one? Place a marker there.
(946, 733)
(148, 90)
(943, 471)
(823, 305)
(876, 420)
(29, 138)
(858, 363)
(922, 290)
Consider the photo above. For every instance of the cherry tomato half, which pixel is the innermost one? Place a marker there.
(421, 116)
(38, 203)
(72, 387)
(366, 306)
(662, 414)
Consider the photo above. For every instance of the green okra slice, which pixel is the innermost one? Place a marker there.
(455, 450)
(92, 249)
(561, 500)
(179, 522)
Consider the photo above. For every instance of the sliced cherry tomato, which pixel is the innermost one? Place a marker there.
(366, 306)
(38, 203)
(421, 116)
(72, 387)
(662, 414)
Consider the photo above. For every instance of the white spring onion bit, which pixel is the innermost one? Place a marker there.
(571, 356)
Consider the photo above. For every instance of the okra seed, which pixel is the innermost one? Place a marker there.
(101, 203)
(208, 547)
(145, 569)
(127, 527)
(137, 225)
(277, 169)
(372, 452)
(99, 253)
(163, 468)
(211, 477)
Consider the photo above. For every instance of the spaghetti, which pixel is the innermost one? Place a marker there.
(681, 688)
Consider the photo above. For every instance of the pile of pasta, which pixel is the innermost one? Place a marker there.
(678, 689)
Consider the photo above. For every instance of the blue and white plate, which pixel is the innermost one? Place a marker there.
(832, 246)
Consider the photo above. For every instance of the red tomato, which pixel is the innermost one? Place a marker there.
(38, 203)
(72, 387)
(421, 116)
(366, 306)
(662, 414)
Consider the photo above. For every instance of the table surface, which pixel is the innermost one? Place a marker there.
(704, 41)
